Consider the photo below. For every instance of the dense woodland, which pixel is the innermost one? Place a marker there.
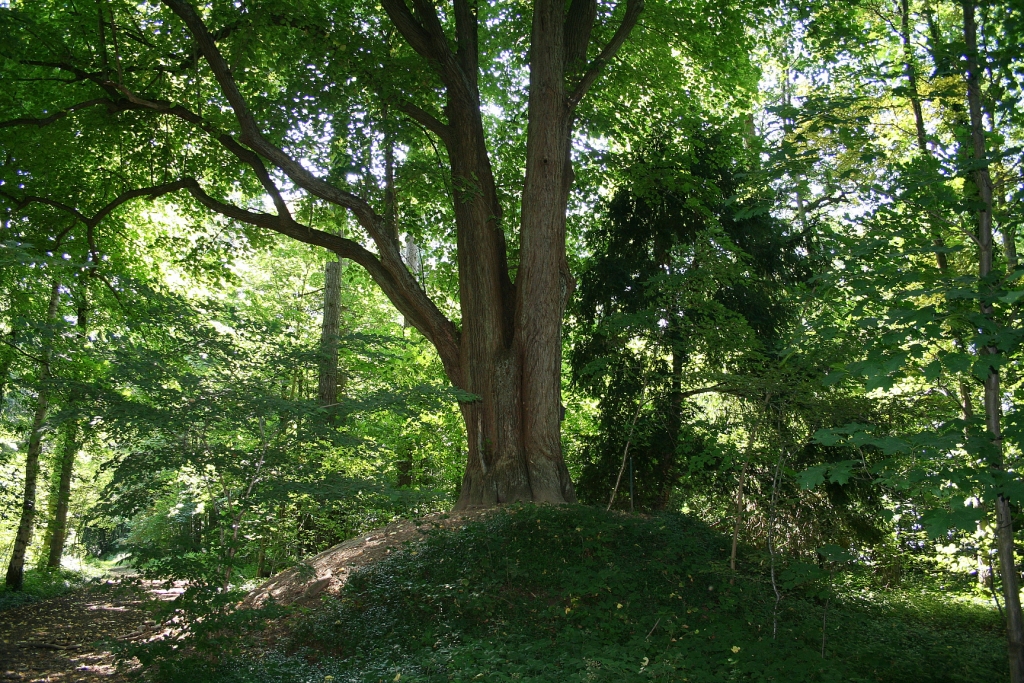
(273, 274)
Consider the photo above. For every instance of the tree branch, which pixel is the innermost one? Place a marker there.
(633, 10)
(414, 305)
(579, 21)
(252, 137)
(426, 36)
(399, 284)
(150, 192)
(427, 120)
(112, 106)
(411, 30)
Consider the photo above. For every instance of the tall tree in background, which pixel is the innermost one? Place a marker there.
(330, 332)
(993, 395)
(60, 494)
(16, 567)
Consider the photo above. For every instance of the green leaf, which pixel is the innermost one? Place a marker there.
(835, 553)
(812, 477)
(984, 365)
(840, 472)
(932, 370)
(957, 362)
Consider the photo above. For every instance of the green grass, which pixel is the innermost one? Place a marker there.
(42, 584)
(567, 594)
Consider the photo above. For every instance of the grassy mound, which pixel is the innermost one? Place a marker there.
(577, 594)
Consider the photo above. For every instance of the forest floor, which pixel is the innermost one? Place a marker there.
(573, 594)
(526, 594)
(67, 638)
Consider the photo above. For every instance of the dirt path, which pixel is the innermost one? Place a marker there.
(62, 639)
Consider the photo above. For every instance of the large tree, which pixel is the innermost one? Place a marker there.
(230, 101)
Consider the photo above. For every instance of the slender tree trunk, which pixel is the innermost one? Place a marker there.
(16, 569)
(667, 470)
(910, 71)
(404, 467)
(1004, 522)
(330, 332)
(6, 360)
(57, 529)
(913, 93)
(738, 522)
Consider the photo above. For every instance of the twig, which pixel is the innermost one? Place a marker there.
(992, 586)
(654, 627)
(625, 452)
(771, 546)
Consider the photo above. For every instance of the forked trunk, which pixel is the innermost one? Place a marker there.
(512, 349)
(507, 354)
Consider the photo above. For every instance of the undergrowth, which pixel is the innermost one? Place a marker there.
(566, 594)
(43, 584)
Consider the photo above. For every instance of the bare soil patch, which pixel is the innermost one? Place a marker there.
(325, 574)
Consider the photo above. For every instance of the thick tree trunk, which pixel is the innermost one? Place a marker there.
(16, 568)
(1004, 522)
(512, 352)
(57, 528)
(330, 331)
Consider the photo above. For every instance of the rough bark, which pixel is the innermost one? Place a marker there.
(983, 183)
(16, 568)
(330, 331)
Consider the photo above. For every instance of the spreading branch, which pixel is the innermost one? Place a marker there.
(252, 137)
(387, 268)
(633, 10)
(425, 35)
(426, 120)
(112, 106)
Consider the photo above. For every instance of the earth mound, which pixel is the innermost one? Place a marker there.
(326, 573)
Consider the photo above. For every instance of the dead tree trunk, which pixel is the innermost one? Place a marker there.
(983, 183)
(16, 568)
